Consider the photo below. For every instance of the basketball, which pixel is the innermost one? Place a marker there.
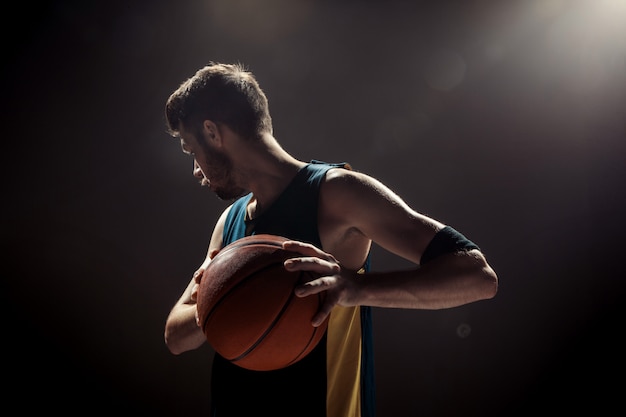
(247, 308)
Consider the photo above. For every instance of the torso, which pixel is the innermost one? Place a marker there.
(337, 235)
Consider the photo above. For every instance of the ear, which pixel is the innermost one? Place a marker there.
(212, 133)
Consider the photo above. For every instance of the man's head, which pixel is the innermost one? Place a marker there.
(225, 94)
(219, 100)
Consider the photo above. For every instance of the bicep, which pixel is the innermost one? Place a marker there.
(372, 208)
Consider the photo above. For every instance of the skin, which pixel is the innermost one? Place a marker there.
(354, 211)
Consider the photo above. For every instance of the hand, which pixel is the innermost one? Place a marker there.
(339, 283)
(197, 277)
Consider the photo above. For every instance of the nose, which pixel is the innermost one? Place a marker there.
(197, 172)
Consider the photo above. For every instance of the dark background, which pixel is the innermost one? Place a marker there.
(505, 119)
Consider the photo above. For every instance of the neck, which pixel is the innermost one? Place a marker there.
(266, 169)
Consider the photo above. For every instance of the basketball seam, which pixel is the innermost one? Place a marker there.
(267, 330)
(210, 313)
(230, 291)
(311, 339)
(272, 325)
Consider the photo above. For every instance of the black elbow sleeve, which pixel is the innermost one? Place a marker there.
(447, 240)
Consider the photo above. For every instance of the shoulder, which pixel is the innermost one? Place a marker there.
(353, 196)
(344, 183)
(339, 176)
(363, 200)
(222, 219)
(217, 238)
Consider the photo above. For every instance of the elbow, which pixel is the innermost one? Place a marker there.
(491, 280)
(180, 339)
(487, 276)
(170, 343)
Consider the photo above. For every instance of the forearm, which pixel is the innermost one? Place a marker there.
(181, 331)
(450, 280)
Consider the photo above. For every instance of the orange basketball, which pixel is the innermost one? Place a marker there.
(248, 310)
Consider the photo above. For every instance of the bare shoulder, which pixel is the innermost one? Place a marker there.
(358, 203)
(342, 180)
(217, 237)
(350, 188)
(344, 190)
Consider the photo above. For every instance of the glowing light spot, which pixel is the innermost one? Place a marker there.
(463, 330)
(548, 8)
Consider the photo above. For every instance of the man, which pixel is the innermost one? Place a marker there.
(333, 214)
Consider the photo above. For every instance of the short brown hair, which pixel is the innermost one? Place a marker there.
(223, 93)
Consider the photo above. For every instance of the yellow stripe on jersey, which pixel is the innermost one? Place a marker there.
(343, 362)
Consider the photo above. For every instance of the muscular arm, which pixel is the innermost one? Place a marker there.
(355, 210)
(181, 329)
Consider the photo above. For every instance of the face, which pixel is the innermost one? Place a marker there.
(211, 166)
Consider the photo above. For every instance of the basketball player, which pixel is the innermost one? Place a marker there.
(333, 214)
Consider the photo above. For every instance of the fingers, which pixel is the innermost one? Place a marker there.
(316, 286)
(296, 246)
(305, 249)
(321, 315)
(312, 264)
(323, 264)
(194, 292)
(197, 277)
(326, 307)
(313, 259)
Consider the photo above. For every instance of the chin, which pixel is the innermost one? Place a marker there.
(229, 195)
